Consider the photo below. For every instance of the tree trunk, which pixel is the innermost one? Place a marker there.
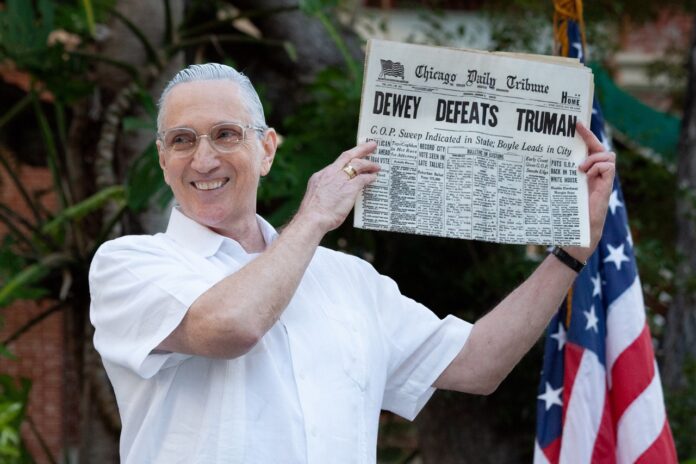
(109, 153)
(680, 336)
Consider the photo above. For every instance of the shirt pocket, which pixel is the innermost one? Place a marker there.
(347, 329)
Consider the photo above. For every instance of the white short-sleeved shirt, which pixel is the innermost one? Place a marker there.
(347, 345)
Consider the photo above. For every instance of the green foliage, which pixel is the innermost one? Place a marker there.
(89, 15)
(670, 70)
(21, 284)
(397, 441)
(320, 130)
(434, 32)
(6, 353)
(87, 206)
(519, 32)
(14, 283)
(47, 254)
(650, 196)
(39, 253)
(81, 17)
(24, 32)
(681, 407)
(13, 400)
(322, 10)
(25, 40)
(40, 250)
(145, 182)
(313, 7)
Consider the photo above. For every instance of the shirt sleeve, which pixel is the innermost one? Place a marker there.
(420, 346)
(140, 293)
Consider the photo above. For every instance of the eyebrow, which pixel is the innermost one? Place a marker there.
(209, 127)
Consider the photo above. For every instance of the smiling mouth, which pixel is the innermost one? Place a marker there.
(210, 185)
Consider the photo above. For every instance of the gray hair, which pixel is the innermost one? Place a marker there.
(216, 71)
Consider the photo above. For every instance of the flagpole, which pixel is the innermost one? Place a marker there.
(565, 10)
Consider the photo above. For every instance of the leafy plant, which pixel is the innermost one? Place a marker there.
(30, 38)
(45, 254)
(320, 130)
(13, 400)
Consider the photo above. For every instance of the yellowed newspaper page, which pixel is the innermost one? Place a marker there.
(475, 145)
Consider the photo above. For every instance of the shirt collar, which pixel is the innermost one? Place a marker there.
(203, 241)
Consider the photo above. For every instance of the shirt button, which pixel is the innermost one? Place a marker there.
(302, 376)
(314, 432)
(355, 329)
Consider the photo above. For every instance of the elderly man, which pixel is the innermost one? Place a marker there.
(227, 342)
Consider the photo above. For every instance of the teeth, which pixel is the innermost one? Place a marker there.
(209, 185)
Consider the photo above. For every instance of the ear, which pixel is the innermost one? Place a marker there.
(269, 145)
(162, 160)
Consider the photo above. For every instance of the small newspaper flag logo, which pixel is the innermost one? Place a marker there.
(391, 69)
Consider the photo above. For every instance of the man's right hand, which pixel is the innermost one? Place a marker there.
(331, 193)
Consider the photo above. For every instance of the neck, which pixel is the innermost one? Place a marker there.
(247, 233)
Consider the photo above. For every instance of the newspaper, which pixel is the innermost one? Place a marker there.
(475, 145)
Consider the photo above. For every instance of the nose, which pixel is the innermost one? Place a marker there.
(205, 157)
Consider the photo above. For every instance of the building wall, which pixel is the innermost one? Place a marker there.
(40, 351)
(653, 44)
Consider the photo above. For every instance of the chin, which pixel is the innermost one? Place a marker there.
(207, 216)
(212, 220)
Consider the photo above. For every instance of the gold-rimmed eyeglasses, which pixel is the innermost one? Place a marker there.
(226, 137)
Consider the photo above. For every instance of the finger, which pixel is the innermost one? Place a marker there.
(359, 151)
(369, 178)
(362, 166)
(592, 142)
(587, 163)
(364, 179)
(601, 170)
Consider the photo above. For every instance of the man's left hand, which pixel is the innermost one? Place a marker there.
(600, 166)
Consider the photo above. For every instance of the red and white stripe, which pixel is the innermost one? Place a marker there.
(618, 418)
(638, 412)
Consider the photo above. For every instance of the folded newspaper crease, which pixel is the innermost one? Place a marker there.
(475, 145)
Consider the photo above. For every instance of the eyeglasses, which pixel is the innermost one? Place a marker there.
(181, 142)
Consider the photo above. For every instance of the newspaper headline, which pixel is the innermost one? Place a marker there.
(475, 145)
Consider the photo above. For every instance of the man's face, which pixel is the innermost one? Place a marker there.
(215, 189)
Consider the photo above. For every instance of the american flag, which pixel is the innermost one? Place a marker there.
(600, 397)
(391, 68)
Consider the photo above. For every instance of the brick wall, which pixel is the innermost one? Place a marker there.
(40, 353)
(41, 349)
(664, 39)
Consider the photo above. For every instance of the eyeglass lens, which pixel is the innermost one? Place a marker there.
(224, 137)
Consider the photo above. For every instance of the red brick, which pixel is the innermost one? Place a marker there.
(40, 350)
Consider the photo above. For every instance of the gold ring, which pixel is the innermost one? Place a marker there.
(350, 170)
